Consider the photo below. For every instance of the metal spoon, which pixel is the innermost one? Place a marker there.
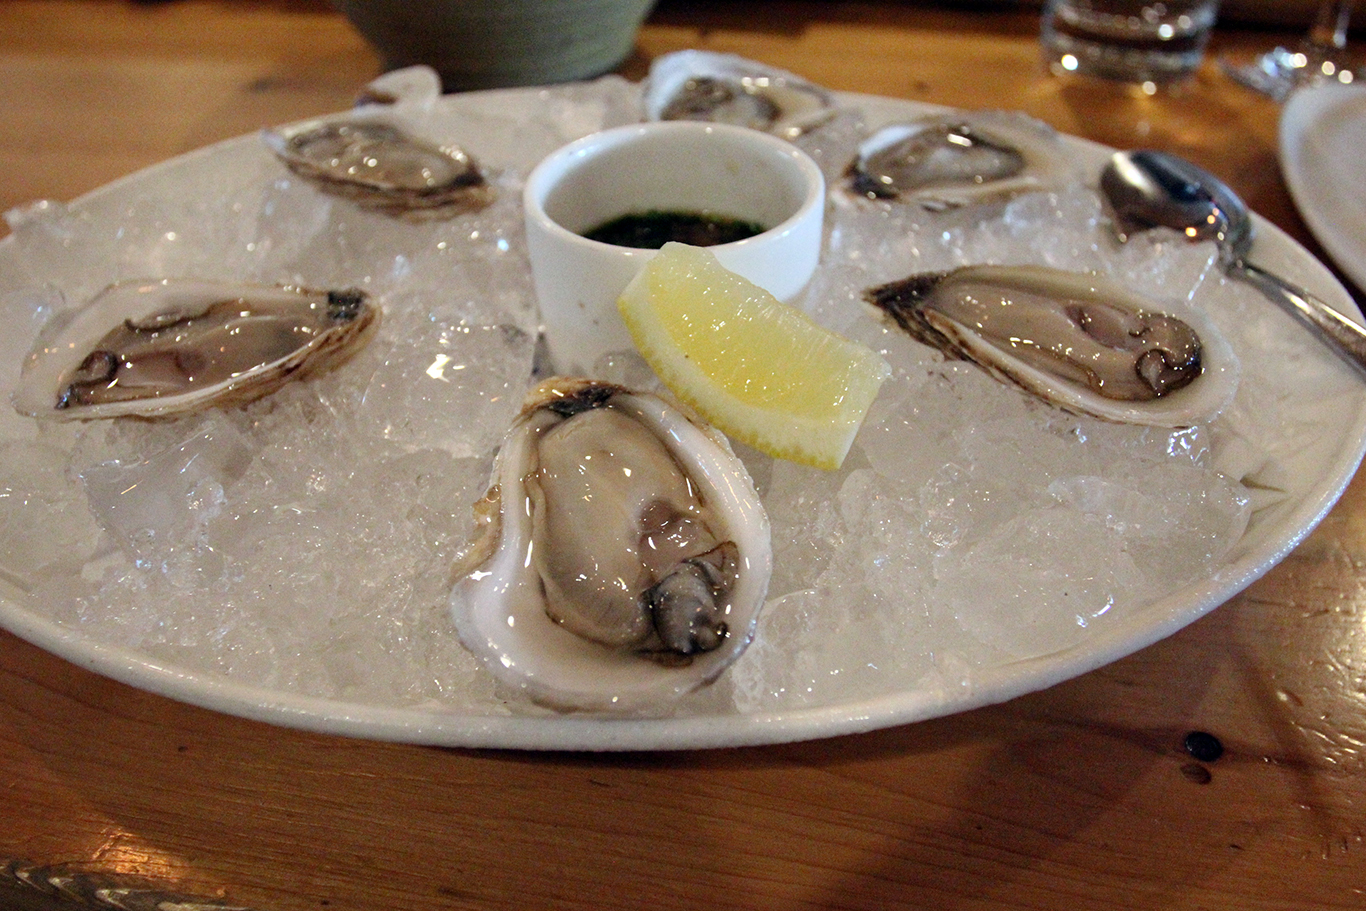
(1148, 189)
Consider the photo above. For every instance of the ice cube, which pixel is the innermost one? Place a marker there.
(450, 386)
(45, 528)
(165, 499)
(1039, 582)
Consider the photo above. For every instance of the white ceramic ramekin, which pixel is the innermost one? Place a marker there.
(669, 166)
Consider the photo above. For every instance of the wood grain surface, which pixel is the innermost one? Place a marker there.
(1084, 796)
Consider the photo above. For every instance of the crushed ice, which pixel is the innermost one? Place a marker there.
(302, 543)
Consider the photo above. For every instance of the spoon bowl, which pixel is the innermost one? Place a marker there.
(1150, 189)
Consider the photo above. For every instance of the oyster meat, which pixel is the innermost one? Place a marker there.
(382, 165)
(959, 159)
(1077, 340)
(170, 347)
(724, 88)
(621, 554)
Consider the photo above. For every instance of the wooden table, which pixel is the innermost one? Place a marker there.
(1080, 797)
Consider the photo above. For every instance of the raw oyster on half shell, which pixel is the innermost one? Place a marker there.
(162, 348)
(621, 554)
(724, 88)
(959, 159)
(380, 164)
(1076, 340)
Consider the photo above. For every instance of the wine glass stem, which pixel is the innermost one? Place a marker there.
(1330, 28)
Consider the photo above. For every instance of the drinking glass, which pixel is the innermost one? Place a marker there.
(1321, 56)
(1126, 40)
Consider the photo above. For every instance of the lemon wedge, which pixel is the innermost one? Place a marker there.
(761, 371)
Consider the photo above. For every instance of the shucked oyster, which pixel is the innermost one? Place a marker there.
(381, 165)
(621, 555)
(170, 347)
(959, 159)
(723, 88)
(1077, 340)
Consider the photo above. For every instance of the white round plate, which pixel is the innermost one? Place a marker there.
(1322, 133)
(1316, 475)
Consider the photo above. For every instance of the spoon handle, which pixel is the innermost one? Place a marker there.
(1345, 337)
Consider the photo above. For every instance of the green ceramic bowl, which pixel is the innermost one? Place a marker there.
(480, 44)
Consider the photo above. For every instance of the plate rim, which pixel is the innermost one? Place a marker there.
(1301, 112)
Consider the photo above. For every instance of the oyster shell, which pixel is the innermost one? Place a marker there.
(621, 555)
(724, 88)
(417, 87)
(376, 161)
(959, 159)
(164, 348)
(1077, 340)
